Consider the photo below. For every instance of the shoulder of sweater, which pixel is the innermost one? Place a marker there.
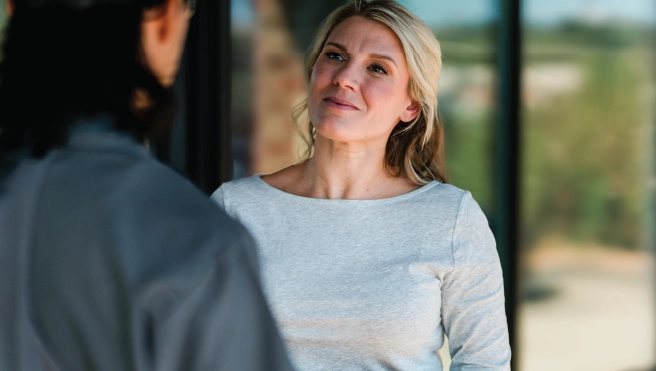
(451, 205)
(240, 186)
(444, 194)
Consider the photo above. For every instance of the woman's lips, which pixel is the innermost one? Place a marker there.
(340, 104)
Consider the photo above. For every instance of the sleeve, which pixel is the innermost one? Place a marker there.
(219, 197)
(223, 323)
(473, 310)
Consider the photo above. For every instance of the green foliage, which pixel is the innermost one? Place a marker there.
(468, 149)
(586, 149)
(469, 132)
(582, 172)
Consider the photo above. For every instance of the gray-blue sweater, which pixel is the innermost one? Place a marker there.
(110, 261)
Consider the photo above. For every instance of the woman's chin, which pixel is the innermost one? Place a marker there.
(336, 133)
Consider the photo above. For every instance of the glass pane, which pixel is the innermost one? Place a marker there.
(466, 88)
(587, 178)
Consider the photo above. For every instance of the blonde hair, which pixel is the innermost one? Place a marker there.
(415, 150)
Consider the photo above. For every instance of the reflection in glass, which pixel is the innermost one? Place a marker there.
(587, 179)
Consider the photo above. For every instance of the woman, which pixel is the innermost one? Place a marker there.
(110, 260)
(368, 256)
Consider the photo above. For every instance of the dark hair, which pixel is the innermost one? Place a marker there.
(60, 64)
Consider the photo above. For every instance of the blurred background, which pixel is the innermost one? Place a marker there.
(549, 112)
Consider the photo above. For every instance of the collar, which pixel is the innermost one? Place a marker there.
(99, 135)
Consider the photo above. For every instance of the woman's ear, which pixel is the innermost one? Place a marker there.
(411, 112)
(9, 7)
(163, 32)
(156, 22)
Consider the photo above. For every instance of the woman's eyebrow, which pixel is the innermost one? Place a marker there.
(382, 56)
(337, 45)
(372, 55)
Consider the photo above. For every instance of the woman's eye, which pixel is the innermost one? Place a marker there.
(378, 69)
(334, 56)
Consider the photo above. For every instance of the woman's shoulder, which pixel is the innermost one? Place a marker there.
(276, 185)
(244, 188)
(469, 221)
(455, 204)
(443, 194)
(243, 184)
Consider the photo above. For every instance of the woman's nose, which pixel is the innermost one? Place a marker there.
(347, 76)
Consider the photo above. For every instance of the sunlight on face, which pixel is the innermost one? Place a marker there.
(359, 84)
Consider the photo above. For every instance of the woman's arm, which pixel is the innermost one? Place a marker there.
(473, 311)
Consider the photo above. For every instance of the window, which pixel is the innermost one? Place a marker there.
(587, 186)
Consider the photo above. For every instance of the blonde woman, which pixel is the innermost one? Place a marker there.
(368, 256)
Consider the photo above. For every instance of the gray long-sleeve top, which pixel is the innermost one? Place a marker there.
(111, 261)
(374, 284)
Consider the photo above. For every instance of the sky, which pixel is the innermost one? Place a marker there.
(534, 12)
(548, 12)
(241, 11)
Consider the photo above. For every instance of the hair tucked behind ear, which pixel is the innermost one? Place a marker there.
(415, 150)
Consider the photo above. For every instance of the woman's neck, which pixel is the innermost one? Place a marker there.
(354, 171)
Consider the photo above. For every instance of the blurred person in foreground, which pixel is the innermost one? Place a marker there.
(368, 255)
(108, 259)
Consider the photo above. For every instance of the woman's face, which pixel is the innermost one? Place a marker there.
(359, 84)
